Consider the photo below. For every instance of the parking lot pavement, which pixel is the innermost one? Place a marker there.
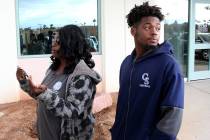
(196, 120)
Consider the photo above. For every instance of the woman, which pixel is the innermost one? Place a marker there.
(65, 97)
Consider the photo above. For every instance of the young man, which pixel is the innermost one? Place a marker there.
(151, 94)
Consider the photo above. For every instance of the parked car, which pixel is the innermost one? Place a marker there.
(92, 44)
(95, 40)
(182, 40)
(199, 39)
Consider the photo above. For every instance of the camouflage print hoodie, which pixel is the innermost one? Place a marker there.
(74, 109)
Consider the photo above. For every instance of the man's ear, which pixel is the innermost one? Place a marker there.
(133, 31)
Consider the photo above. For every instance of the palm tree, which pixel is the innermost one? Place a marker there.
(94, 20)
(51, 26)
(44, 26)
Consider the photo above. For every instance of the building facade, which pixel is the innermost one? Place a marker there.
(186, 26)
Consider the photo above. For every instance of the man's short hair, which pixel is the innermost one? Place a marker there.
(144, 10)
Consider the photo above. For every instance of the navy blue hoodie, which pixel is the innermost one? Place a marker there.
(151, 97)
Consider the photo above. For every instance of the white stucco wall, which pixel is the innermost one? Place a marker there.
(116, 41)
(8, 53)
(113, 41)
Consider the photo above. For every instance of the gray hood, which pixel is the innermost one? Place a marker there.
(83, 69)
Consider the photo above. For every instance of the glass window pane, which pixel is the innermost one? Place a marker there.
(202, 23)
(38, 19)
(176, 29)
(201, 59)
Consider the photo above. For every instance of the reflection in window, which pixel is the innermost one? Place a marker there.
(201, 59)
(202, 38)
(39, 19)
(202, 23)
(176, 29)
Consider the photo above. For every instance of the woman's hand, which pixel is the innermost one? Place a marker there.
(22, 77)
(36, 89)
(21, 74)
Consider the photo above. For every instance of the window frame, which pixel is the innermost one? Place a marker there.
(19, 55)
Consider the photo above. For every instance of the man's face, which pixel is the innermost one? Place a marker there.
(147, 32)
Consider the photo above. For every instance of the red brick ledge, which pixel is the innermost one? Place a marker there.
(101, 102)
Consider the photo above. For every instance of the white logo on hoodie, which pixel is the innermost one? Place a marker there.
(57, 85)
(145, 78)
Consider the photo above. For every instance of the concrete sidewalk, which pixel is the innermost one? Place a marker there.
(196, 120)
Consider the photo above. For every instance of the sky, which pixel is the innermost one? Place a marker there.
(174, 10)
(202, 14)
(36, 13)
(178, 10)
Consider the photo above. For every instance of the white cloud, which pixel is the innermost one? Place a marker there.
(175, 10)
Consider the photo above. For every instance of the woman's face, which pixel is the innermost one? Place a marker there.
(55, 44)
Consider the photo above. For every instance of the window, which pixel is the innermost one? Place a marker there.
(38, 19)
(176, 29)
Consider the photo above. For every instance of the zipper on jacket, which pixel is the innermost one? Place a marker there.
(128, 106)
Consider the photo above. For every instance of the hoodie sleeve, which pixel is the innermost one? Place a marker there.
(171, 106)
(79, 96)
(24, 85)
(24, 82)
